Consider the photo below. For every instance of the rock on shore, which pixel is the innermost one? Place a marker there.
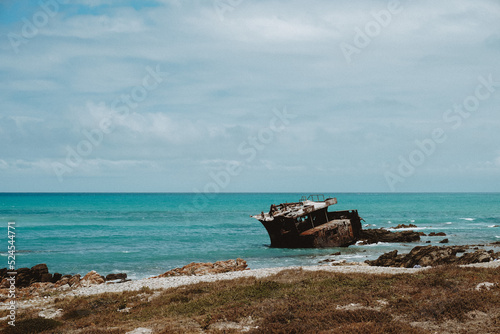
(433, 255)
(37, 280)
(27, 276)
(207, 268)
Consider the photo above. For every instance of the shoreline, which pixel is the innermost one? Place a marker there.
(40, 294)
(177, 281)
(164, 283)
(157, 285)
(363, 291)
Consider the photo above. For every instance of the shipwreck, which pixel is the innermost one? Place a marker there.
(309, 224)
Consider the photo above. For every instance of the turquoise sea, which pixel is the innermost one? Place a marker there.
(148, 234)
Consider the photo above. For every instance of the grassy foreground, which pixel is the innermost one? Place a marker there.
(442, 300)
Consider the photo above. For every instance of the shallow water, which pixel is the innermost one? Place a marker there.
(148, 234)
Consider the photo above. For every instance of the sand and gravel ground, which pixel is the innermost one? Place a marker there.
(175, 281)
(433, 306)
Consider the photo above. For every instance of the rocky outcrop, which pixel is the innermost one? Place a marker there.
(432, 256)
(91, 278)
(405, 226)
(372, 236)
(438, 234)
(26, 277)
(40, 273)
(56, 277)
(386, 260)
(207, 268)
(114, 277)
(478, 256)
(74, 280)
(33, 282)
(63, 281)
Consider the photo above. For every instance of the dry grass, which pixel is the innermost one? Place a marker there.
(443, 299)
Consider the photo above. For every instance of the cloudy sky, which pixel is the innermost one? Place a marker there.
(249, 95)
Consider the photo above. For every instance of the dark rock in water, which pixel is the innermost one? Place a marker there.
(439, 234)
(431, 256)
(39, 269)
(113, 277)
(46, 278)
(372, 236)
(444, 241)
(428, 242)
(56, 277)
(386, 260)
(405, 226)
(326, 261)
(23, 277)
(330, 260)
(422, 234)
(28, 276)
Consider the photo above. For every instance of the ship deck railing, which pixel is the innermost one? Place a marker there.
(314, 198)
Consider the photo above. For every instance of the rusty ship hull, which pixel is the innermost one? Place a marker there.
(309, 224)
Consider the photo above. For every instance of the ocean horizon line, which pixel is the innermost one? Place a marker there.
(239, 192)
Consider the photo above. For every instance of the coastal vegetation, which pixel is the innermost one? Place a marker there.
(444, 299)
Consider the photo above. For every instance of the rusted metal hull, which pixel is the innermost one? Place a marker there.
(338, 229)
